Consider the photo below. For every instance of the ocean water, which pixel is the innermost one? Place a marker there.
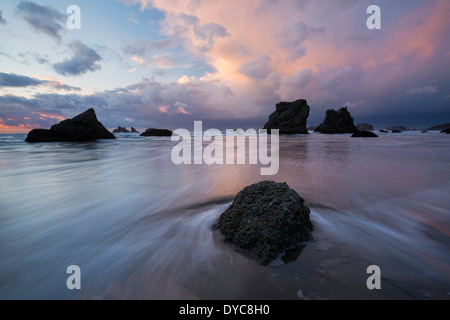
(140, 227)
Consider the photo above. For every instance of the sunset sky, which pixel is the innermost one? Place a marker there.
(166, 63)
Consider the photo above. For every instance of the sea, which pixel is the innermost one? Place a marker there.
(140, 227)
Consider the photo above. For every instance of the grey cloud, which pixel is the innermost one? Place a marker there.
(208, 33)
(2, 21)
(430, 89)
(257, 68)
(14, 80)
(43, 19)
(293, 38)
(84, 59)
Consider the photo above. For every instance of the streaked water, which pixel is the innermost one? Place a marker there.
(140, 227)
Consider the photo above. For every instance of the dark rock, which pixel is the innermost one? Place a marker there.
(120, 130)
(384, 131)
(84, 127)
(289, 118)
(364, 127)
(266, 219)
(439, 127)
(133, 130)
(397, 128)
(396, 131)
(364, 134)
(337, 122)
(157, 133)
(447, 131)
(424, 131)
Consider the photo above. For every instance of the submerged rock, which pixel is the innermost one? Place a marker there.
(447, 131)
(396, 131)
(84, 127)
(157, 133)
(364, 134)
(266, 218)
(337, 122)
(397, 128)
(289, 118)
(384, 131)
(121, 130)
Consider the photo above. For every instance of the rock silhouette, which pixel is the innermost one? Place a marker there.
(289, 118)
(84, 127)
(157, 133)
(337, 122)
(364, 134)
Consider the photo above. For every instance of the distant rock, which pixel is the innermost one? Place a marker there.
(133, 130)
(364, 127)
(424, 131)
(337, 122)
(266, 218)
(364, 134)
(289, 118)
(84, 127)
(440, 127)
(157, 133)
(396, 131)
(120, 130)
(397, 128)
(384, 131)
(447, 131)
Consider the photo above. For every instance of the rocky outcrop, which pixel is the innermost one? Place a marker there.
(364, 134)
(266, 219)
(84, 127)
(364, 127)
(440, 127)
(133, 130)
(447, 131)
(397, 128)
(396, 131)
(337, 122)
(121, 130)
(289, 118)
(157, 133)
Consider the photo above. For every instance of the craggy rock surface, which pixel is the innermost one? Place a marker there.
(337, 122)
(266, 219)
(289, 118)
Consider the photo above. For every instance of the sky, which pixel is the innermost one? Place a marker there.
(168, 63)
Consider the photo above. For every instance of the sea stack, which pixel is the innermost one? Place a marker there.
(337, 122)
(265, 219)
(84, 127)
(289, 118)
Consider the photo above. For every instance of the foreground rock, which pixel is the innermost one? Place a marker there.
(337, 122)
(121, 130)
(266, 219)
(289, 118)
(364, 134)
(84, 127)
(364, 127)
(157, 133)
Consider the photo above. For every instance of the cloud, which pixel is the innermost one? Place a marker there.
(18, 81)
(430, 89)
(84, 60)
(258, 68)
(14, 80)
(43, 19)
(2, 21)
